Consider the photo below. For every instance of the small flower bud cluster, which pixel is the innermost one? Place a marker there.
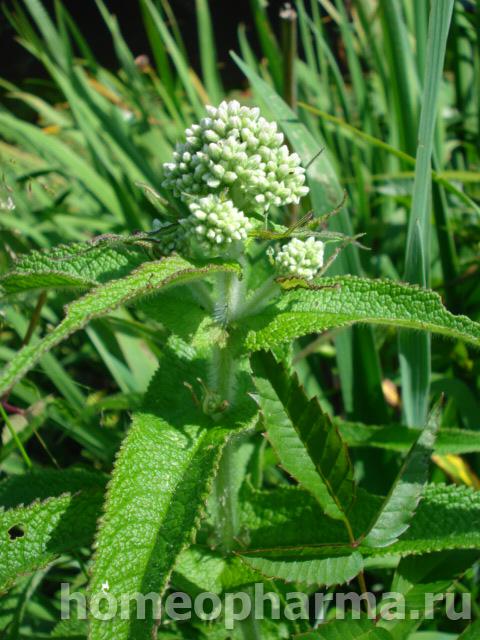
(234, 148)
(215, 222)
(302, 258)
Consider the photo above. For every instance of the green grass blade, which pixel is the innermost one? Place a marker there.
(415, 350)
(358, 137)
(402, 73)
(178, 59)
(268, 41)
(208, 53)
(326, 193)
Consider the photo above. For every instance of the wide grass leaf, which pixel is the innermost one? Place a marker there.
(401, 503)
(307, 443)
(400, 438)
(161, 481)
(345, 300)
(144, 281)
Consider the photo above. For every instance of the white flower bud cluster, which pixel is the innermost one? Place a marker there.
(302, 258)
(234, 148)
(216, 222)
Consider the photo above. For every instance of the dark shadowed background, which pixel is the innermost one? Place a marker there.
(17, 65)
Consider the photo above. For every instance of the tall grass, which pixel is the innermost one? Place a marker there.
(369, 79)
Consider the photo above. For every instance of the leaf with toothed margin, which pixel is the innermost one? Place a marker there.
(309, 446)
(159, 487)
(144, 281)
(345, 300)
(75, 266)
(399, 507)
(34, 535)
(447, 518)
(322, 567)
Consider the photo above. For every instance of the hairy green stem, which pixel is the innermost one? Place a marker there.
(260, 298)
(231, 294)
(222, 380)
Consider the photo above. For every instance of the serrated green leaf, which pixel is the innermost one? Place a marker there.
(33, 536)
(401, 503)
(161, 481)
(78, 265)
(448, 518)
(344, 300)
(304, 437)
(347, 630)
(144, 281)
(328, 566)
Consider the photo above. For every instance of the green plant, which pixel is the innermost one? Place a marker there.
(238, 466)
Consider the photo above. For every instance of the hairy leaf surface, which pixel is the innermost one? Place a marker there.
(326, 567)
(33, 536)
(156, 497)
(447, 518)
(145, 280)
(74, 266)
(308, 444)
(344, 300)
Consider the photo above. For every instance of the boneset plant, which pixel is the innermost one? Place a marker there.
(234, 286)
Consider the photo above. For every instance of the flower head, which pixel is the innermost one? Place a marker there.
(237, 150)
(302, 258)
(215, 222)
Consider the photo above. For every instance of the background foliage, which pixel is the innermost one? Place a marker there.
(78, 146)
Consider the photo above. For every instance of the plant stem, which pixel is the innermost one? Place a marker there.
(225, 493)
(15, 437)
(222, 378)
(259, 299)
(42, 298)
(222, 381)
